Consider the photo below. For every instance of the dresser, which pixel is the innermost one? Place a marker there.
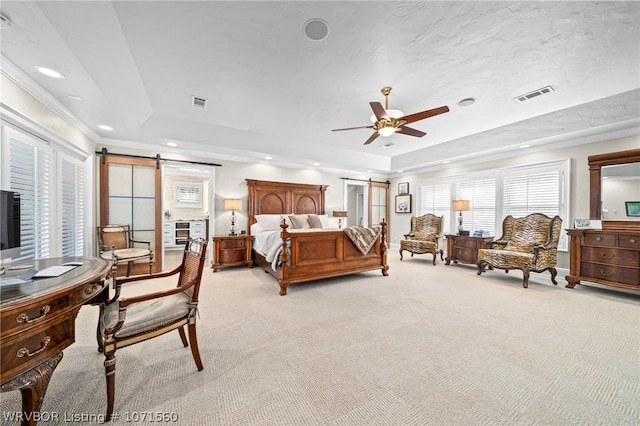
(610, 256)
(231, 250)
(464, 248)
(38, 322)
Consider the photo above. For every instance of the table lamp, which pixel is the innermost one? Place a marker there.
(460, 206)
(232, 204)
(339, 214)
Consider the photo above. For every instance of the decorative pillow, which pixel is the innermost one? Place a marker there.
(299, 221)
(314, 221)
(269, 222)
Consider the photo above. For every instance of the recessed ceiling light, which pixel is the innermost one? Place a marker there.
(49, 72)
(316, 164)
(74, 97)
(105, 127)
(525, 146)
(446, 162)
(316, 29)
(369, 171)
(400, 171)
(467, 101)
(172, 144)
(268, 158)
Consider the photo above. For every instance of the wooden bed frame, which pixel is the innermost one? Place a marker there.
(312, 255)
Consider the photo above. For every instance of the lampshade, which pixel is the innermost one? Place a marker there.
(233, 204)
(387, 131)
(339, 213)
(460, 205)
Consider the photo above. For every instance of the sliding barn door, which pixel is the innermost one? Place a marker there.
(131, 193)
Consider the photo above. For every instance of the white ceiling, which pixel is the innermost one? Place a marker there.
(272, 91)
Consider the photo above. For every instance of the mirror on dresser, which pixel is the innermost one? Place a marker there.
(609, 256)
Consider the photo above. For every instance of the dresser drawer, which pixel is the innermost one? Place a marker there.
(468, 255)
(232, 256)
(35, 345)
(629, 241)
(611, 256)
(465, 243)
(611, 273)
(604, 240)
(233, 243)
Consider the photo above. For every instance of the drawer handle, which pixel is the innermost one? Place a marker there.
(607, 257)
(25, 352)
(598, 238)
(632, 240)
(462, 252)
(604, 274)
(24, 318)
(89, 290)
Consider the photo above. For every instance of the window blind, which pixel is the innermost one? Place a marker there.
(72, 207)
(436, 198)
(481, 192)
(29, 174)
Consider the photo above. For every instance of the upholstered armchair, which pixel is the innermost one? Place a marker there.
(529, 243)
(116, 245)
(426, 231)
(127, 321)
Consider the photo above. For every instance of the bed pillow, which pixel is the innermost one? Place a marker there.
(314, 221)
(324, 219)
(299, 221)
(286, 220)
(269, 222)
(255, 229)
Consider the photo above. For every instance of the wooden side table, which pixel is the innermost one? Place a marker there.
(464, 248)
(231, 250)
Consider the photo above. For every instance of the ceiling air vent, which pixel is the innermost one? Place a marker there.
(535, 93)
(197, 102)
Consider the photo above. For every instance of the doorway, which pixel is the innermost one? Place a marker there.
(356, 201)
(188, 208)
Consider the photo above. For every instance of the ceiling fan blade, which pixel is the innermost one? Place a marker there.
(352, 128)
(410, 131)
(372, 138)
(379, 111)
(424, 114)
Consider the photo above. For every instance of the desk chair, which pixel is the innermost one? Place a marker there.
(127, 321)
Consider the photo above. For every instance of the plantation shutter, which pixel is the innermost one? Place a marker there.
(481, 192)
(72, 206)
(436, 198)
(528, 192)
(29, 174)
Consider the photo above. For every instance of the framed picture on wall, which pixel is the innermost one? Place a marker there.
(403, 203)
(403, 188)
(633, 208)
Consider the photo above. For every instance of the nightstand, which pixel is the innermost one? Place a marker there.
(231, 250)
(464, 248)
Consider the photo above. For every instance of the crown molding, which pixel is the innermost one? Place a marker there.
(12, 72)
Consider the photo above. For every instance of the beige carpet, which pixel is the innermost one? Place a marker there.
(427, 345)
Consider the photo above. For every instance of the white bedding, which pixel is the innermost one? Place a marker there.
(269, 244)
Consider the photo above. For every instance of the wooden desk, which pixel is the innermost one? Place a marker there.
(37, 321)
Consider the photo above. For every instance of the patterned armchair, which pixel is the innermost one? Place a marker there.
(529, 243)
(426, 230)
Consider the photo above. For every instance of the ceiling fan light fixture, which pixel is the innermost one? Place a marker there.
(387, 131)
(393, 113)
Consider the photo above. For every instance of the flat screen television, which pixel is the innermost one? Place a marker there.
(633, 208)
(9, 224)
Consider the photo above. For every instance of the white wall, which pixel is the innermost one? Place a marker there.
(579, 187)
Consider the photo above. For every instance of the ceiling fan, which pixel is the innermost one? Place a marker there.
(389, 121)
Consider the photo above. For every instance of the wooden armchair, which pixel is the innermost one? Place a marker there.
(116, 245)
(426, 231)
(127, 321)
(529, 243)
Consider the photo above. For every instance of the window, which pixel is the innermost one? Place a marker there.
(52, 185)
(189, 195)
(28, 160)
(517, 191)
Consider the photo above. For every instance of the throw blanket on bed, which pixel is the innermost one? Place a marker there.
(363, 238)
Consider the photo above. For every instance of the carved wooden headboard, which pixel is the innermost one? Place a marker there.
(267, 197)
